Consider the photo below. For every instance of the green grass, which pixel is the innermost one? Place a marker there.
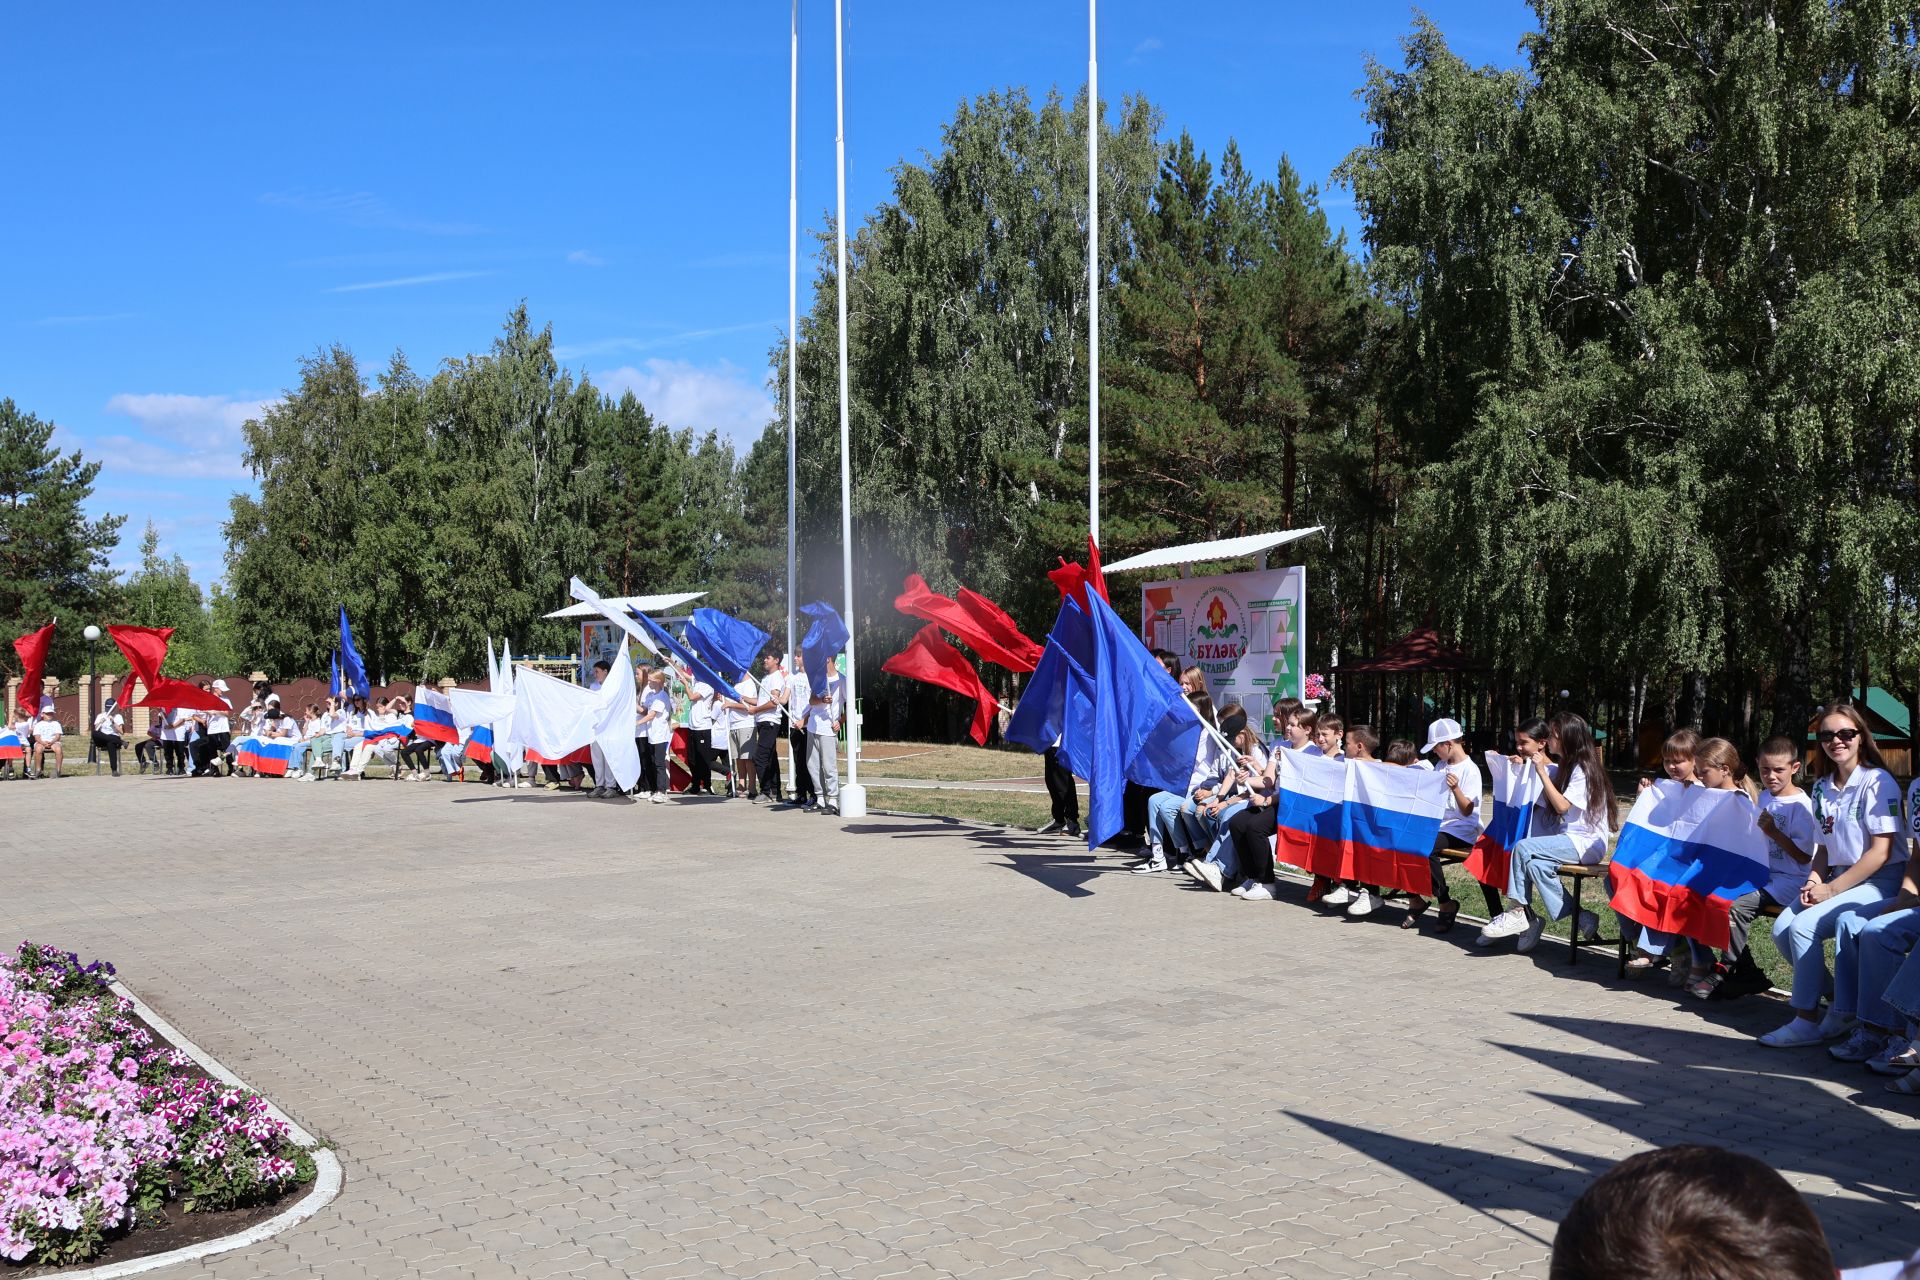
(926, 762)
(1010, 808)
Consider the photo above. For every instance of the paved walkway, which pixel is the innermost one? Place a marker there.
(553, 1036)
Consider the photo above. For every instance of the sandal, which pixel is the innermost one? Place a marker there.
(1908, 1084)
(1642, 965)
(1444, 918)
(1416, 907)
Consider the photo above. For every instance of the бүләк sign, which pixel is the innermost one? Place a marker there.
(1245, 631)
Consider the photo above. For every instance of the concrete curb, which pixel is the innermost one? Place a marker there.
(328, 1176)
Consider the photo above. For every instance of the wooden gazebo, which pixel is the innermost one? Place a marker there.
(1419, 655)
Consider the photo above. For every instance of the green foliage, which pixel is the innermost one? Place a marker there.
(53, 559)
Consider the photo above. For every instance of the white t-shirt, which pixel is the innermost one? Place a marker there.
(700, 710)
(821, 715)
(48, 731)
(1793, 816)
(1589, 837)
(774, 687)
(1461, 826)
(660, 728)
(110, 723)
(799, 691)
(218, 722)
(1850, 816)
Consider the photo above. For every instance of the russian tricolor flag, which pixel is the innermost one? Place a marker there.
(262, 756)
(480, 743)
(11, 748)
(1515, 788)
(1684, 855)
(583, 756)
(1375, 823)
(433, 716)
(398, 732)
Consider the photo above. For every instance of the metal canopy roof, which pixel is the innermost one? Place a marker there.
(1221, 549)
(639, 604)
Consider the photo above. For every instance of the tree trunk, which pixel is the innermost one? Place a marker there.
(1792, 691)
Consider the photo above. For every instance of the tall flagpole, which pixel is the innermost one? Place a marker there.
(1093, 276)
(793, 279)
(853, 796)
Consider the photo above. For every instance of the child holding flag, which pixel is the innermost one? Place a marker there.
(1677, 759)
(1786, 819)
(1858, 863)
(1576, 798)
(1459, 828)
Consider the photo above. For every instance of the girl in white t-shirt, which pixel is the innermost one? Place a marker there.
(656, 723)
(1858, 864)
(1576, 796)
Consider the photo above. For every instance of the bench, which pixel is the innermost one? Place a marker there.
(1576, 875)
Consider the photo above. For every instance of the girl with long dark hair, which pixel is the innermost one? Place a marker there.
(1572, 821)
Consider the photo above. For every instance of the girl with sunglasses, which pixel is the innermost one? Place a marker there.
(1857, 865)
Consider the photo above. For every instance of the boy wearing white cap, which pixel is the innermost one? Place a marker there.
(48, 736)
(1459, 823)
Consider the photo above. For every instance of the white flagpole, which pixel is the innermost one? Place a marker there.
(793, 285)
(1093, 276)
(853, 796)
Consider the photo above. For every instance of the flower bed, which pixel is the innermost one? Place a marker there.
(103, 1131)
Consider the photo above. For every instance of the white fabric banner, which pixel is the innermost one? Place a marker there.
(556, 718)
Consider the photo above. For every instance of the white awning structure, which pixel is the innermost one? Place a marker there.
(641, 604)
(1221, 549)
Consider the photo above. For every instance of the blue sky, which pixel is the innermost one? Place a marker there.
(207, 192)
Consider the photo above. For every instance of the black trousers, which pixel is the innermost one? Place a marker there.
(176, 755)
(1441, 844)
(766, 758)
(109, 743)
(1060, 789)
(655, 773)
(1252, 831)
(1134, 807)
(208, 750)
(700, 761)
(803, 792)
(147, 751)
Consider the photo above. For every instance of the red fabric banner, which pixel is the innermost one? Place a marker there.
(145, 649)
(33, 666)
(168, 692)
(998, 624)
(1071, 579)
(1096, 580)
(918, 600)
(929, 658)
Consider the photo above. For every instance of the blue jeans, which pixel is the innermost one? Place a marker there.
(1870, 950)
(1221, 853)
(451, 762)
(1801, 932)
(1656, 943)
(1535, 868)
(1903, 993)
(1176, 820)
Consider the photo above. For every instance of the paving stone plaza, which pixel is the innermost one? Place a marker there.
(551, 1036)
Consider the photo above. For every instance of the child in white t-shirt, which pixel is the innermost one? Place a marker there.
(1786, 819)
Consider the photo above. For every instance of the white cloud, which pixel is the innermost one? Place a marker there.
(1151, 45)
(581, 258)
(199, 423)
(145, 458)
(362, 209)
(719, 398)
(436, 277)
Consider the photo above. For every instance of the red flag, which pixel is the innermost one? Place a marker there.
(995, 622)
(145, 649)
(929, 658)
(917, 600)
(168, 692)
(1096, 579)
(33, 666)
(1071, 579)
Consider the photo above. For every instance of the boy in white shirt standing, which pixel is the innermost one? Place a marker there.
(799, 693)
(823, 739)
(766, 728)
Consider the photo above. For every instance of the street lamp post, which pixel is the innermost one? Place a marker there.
(92, 633)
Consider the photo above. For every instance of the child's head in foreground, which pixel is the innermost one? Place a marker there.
(1690, 1213)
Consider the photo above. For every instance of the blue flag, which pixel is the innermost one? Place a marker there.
(1144, 729)
(664, 638)
(353, 671)
(1058, 702)
(725, 641)
(825, 638)
(334, 687)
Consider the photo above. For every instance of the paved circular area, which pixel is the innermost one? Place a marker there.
(553, 1036)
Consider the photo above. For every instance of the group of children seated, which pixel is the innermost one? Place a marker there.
(1838, 861)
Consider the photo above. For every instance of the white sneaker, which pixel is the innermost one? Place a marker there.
(1883, 1063)
(1863, 1045)
(1338, 896)
(1836, 1025)
(657, 798)
(1240, 891)
(1259, 893)
(1530, 936)
(1507, 924)
(1589, 925)
(1151, 867)
(1363, 903)
(1797, 1034)
(1210, 873)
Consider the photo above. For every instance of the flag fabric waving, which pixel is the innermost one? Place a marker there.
(663, 640)
(1685, 853)
(480, 744)
(388, 732)
(929, 658)
(11, 747)
(989, 639)
(353, 672)
(262, 756)
(1144, 729)
(1364, 821)
(727, 643)
(433, 716)
(333, 687)
(145, 649)
(1515, 787)
(825, 638)
(184, 694)
(1096, 580)
(32, 649)
(1057, 704)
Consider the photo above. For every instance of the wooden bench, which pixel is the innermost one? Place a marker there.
(1576, 875)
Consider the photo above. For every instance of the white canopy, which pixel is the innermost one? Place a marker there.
(1220, 549)
(641, 604)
